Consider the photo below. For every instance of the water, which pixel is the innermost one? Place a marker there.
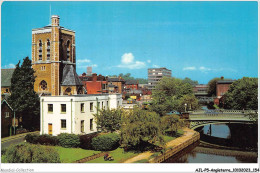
(239, 136)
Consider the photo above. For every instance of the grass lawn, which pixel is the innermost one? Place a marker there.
(68, 155)
(119, 156)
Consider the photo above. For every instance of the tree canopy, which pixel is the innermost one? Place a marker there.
(212, 86)
(189, 81)
(109, 120)
(23, 98)
(170, 94)
(128, 76)
(242, 94)
(140, 125)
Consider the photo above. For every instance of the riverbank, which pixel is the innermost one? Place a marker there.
(190, 136)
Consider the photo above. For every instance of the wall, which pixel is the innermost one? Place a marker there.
(74, 116)
(222, 89)
(6, 122)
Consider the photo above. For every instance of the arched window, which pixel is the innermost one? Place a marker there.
(67, 91)
(80, 90)
(68, 50)
(43, 85)
(48, 49)
(40, 50)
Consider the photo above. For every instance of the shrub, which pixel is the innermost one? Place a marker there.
(68, 140)
(48, 140)
(106, 142)
(42, 139)
(85, 141)
(28, 153)
(32, 138)
(3, 151)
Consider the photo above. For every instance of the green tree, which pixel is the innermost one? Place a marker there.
(109, 120)
(242, 94)
(171, 123)
(140, 126)
(189, 81)
(190, 100)
(212, 86)
(167, 94)
(23, 98)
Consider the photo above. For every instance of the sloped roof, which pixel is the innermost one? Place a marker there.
(70, 77)
(115, 79)
(6, 75)
(131, 82)
(225, 81)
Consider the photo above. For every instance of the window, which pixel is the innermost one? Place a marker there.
(6, 114)
(50, 107)
(63, 124)
(82, 107)
(117, 103)
(98, 105)
(91, 124)
(63, 108)
(48, 49)
(102, 105)
(82, 125)
(43, 68)
(68, 50)
(7, 90)
(43, 85)
(40, 50)
(107, 104)
(91, 106)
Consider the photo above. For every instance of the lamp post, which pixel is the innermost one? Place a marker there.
(185, 106)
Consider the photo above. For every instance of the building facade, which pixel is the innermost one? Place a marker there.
(156, 74)
(94, 84)
(8, 120)
(53, 48)
(222, 87)
(74, 114)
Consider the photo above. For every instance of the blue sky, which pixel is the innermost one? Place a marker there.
(199, 40)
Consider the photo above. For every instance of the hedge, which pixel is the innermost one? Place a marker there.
(28, 153)
(42, 139)
(106, 142)
(85, 141)
(68, 140)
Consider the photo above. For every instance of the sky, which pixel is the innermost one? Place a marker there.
(199, 40)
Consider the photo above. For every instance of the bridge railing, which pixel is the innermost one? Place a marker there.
(223, 111)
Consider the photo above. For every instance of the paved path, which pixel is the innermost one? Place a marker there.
(187, 135)
(16, 139)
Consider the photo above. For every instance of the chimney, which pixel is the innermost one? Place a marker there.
(94, 77)
(222, 78)
(55, 20)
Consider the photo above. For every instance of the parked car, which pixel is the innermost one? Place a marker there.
(130, 101)
(173, 112)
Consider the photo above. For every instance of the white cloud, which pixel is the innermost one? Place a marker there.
(127, 58)
(149, 61)
(189, 68)
(83, 61)
(204, 69)
(128, 61)
(9, 66)
(155, 66)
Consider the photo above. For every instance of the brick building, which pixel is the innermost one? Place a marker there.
(131, 84)
(222, 87)
(115, 84)
(94, 84)
(53, 59)
(8, 120)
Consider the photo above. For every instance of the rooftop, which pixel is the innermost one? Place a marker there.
(6, 75)
(225, 81)
(70, 77)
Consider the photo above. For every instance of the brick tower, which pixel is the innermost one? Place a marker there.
(53, 48)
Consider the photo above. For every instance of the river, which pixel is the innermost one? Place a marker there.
(233, 143)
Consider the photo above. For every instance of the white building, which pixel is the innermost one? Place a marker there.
(74, 114)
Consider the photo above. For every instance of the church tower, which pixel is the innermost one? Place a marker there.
(53, 50)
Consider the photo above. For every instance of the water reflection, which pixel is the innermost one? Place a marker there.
(234, 135)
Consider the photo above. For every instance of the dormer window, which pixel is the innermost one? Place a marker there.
(68, 50)
(40, 50)
(48, 49)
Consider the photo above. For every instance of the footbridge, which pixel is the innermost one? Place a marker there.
(201, 118)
